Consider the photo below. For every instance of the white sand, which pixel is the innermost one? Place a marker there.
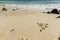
(24, 24)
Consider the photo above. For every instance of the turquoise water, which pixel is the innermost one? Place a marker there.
(22, 2)
(29, 2)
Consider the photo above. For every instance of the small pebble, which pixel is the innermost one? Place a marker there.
(12, 30)
(40, 30)
(58, 17)
(37, 23)
(46, 24)
(58, 38)
(14, 9)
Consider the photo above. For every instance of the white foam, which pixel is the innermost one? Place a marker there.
(41, 6)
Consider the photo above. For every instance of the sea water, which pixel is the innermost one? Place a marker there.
(42, 4)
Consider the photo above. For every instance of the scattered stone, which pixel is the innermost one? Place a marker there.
(58, 38)
(37, 23)
(46, 26)
(58, 17)
(42, 26)
(12, 30)
(40, 30)
(54, 11)
(4, 9)
(14, 9)
(48, 12)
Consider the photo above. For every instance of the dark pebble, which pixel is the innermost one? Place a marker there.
(58, 17)
(40, 30)
(37, 23)
(58, 38)
(12, 30)
(46, 24)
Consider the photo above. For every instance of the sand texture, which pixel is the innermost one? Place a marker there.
(24, 24)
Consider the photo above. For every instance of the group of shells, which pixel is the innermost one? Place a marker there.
(42, 26)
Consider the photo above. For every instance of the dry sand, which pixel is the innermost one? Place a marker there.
(15, 25)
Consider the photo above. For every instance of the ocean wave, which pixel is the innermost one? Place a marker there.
(41, 6)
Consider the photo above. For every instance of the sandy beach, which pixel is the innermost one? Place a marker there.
(22, 24)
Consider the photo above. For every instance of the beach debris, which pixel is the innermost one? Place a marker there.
(58, 17)
(12, 30)
(54, 11)
(4, 9)
(42, 26)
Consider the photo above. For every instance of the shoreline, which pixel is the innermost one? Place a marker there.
(39, 7)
